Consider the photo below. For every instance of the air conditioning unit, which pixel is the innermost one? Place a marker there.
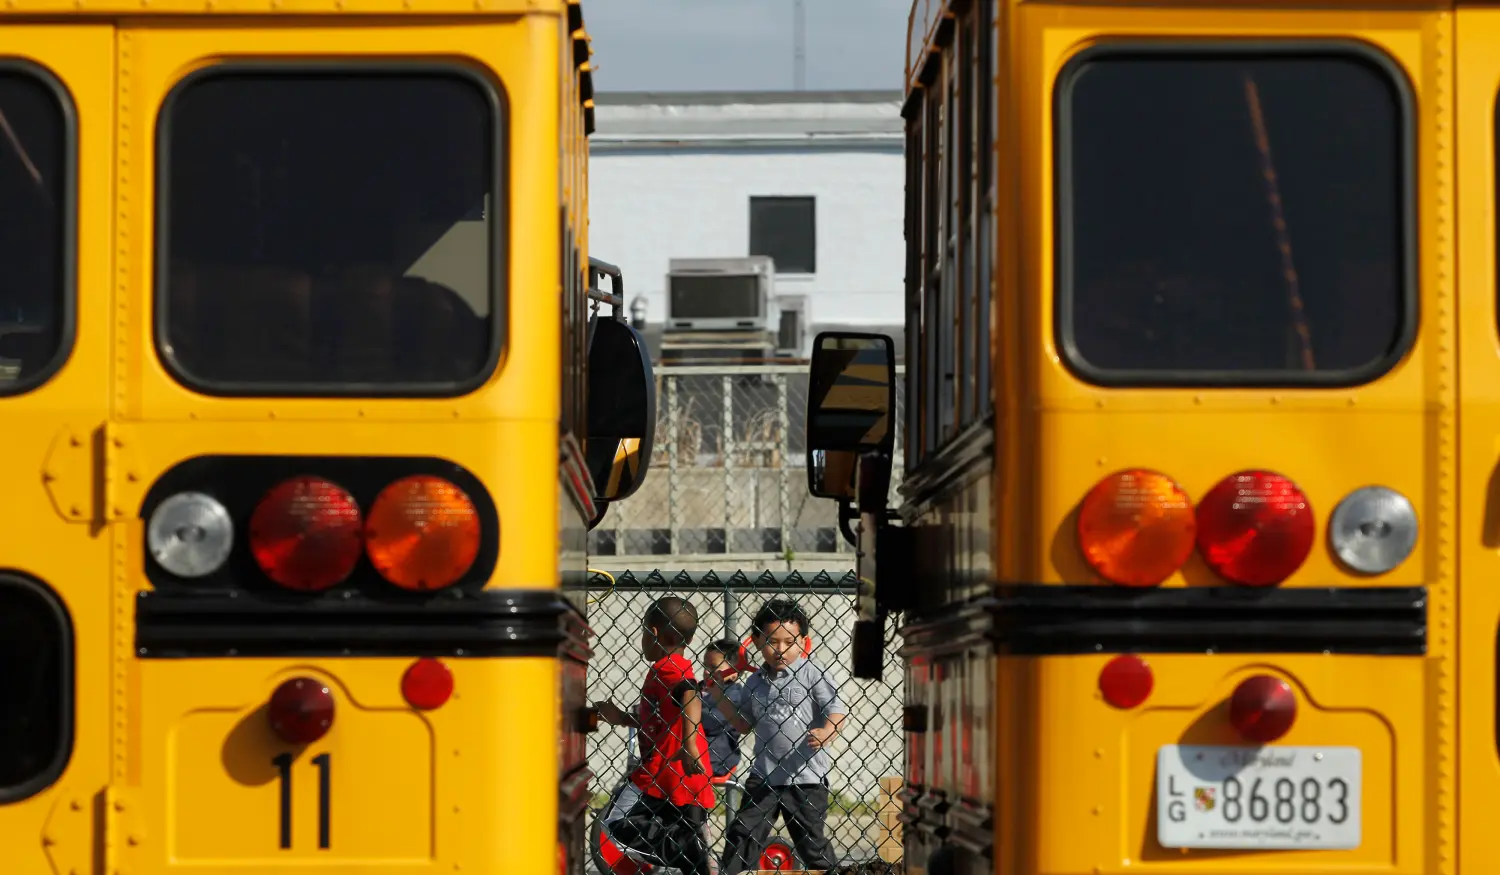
(791, 331)
(718, 294)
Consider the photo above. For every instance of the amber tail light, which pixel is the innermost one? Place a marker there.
(423, 533)
(1136, 527)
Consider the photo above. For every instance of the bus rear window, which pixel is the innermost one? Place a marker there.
(36, 688)
(35, 223)
(1233, 218)
(329, 233)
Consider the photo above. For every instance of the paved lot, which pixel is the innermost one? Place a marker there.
(854, 838)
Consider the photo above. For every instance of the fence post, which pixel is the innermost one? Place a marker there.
(730, 619)
(726, 457)
(784, 425)
(674, 428)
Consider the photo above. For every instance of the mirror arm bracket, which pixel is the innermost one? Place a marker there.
(847, 516)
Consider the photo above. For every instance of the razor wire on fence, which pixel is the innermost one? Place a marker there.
(865, 759)
(728, 479)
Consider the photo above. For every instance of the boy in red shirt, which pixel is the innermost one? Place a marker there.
(672, 776)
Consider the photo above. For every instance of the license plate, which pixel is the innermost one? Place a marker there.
(1270, 798)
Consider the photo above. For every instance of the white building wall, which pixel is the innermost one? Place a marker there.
(647, 207)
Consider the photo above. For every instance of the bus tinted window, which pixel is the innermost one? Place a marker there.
(329, 232)
(36, 689)
(1232, 218)
(34, 169)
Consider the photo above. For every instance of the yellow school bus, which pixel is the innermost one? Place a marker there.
(295, 386)
(1201, 439)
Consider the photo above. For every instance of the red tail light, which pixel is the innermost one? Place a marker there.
(1126, 681)
(423, 533)
(301, 711)
(1136, 527)
(305, 534)
(1255, 528)
(1263, 708)
(427, 684)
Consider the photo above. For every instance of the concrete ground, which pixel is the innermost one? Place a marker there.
(854, 838)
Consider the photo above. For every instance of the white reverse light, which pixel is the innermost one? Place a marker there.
(1373, 529)
(190, 534)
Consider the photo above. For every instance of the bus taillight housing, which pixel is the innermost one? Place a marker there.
(1136, 527)
(306, 534)
(1255, 528)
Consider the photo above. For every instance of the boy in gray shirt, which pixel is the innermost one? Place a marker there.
(795, 712)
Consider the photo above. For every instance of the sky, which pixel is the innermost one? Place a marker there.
(745, 45)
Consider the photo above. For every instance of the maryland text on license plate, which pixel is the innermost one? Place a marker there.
(1272, 798)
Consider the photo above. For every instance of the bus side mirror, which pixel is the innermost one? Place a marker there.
(851, 398)
(622, 410)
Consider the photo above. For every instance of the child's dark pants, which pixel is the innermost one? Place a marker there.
(803, 808)
(672, 834)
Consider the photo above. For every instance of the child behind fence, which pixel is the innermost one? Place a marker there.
(795, 712)
(672, 776)
(723, 741)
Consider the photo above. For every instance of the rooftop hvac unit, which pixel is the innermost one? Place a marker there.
(791, 332)
(716, 294)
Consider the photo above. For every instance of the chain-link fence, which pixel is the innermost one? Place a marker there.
(728, 485)
(864, 761)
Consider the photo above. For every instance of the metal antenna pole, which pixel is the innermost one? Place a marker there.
(799, 45)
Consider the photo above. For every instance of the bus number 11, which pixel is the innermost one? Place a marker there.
(283, 764)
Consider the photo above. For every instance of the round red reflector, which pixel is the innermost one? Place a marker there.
(1136, 527)
(305, 534)
(1126, 681)
(423, 533)
(777, 857)
(301, 711)
(1255, 528)
(1262, 708)
(427, 684)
